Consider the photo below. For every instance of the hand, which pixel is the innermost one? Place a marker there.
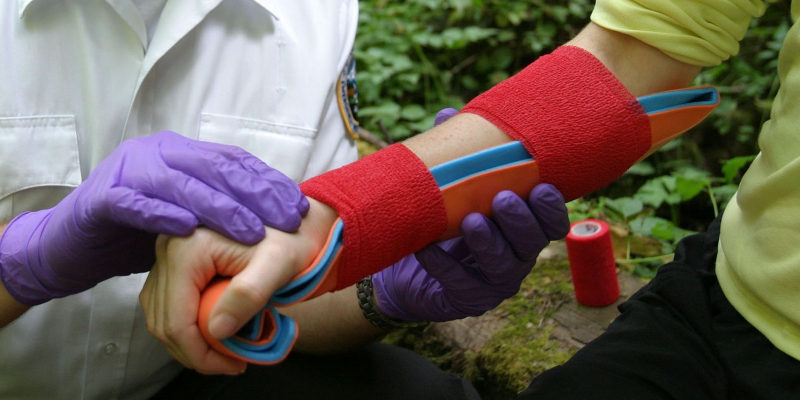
(185, 265)
(164, 183)
(472, 274)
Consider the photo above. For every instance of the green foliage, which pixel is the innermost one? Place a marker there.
(655, 209)
(419, 56)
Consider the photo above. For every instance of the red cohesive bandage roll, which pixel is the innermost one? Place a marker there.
(591, 262)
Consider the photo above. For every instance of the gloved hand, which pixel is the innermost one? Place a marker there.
(164, 183)
(472, 274)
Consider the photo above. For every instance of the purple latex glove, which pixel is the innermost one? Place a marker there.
(472, 274)
(164, 183)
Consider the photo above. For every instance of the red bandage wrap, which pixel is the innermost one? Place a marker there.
(390, 204)
(573, 116)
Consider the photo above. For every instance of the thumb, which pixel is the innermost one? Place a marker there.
(237, 305)
(442, 267)
(247, 294)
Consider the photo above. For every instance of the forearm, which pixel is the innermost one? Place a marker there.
(332, 322)
(641, 68)
(10, 309)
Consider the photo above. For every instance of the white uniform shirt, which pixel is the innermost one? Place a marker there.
(78, 77)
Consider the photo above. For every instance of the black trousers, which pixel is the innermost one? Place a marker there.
(677, 338)
(378, 371)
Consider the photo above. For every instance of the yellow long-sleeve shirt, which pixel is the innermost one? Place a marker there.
(758, 265)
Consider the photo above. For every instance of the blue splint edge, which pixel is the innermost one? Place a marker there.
(666, 101)
(302, 286)
(275, 350)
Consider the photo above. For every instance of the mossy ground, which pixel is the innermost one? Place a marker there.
(518, 351)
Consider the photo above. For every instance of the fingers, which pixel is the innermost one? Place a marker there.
(272, 265)
(270, 194)
(212, 208)
(161, 216)
(440, 265)
(518, 225)
(170, 298)
(223, 187)
(550, 209)
(493, 254)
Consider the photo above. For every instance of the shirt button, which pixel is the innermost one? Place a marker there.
(110, 348)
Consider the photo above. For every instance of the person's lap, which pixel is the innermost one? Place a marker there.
(378, 371)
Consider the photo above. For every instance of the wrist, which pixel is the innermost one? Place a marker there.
(368, 303)
(642, 69)
(390, 206)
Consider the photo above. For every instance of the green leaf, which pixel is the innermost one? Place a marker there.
(560, 13)
(626, 206)
(470, 82)
(645, 271)
(652, 193)
(642, 168)
(692, 172)
(502, 57)
(732, 167)
(724, 194)
(388, 112)
(413, 112)
(423, 124)
(689, 188)
(643, 226)
(400, 132)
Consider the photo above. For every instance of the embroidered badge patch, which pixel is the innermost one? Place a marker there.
(348, 97)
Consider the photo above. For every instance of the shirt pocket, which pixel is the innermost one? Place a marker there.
(37, 151)
(286, 148)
